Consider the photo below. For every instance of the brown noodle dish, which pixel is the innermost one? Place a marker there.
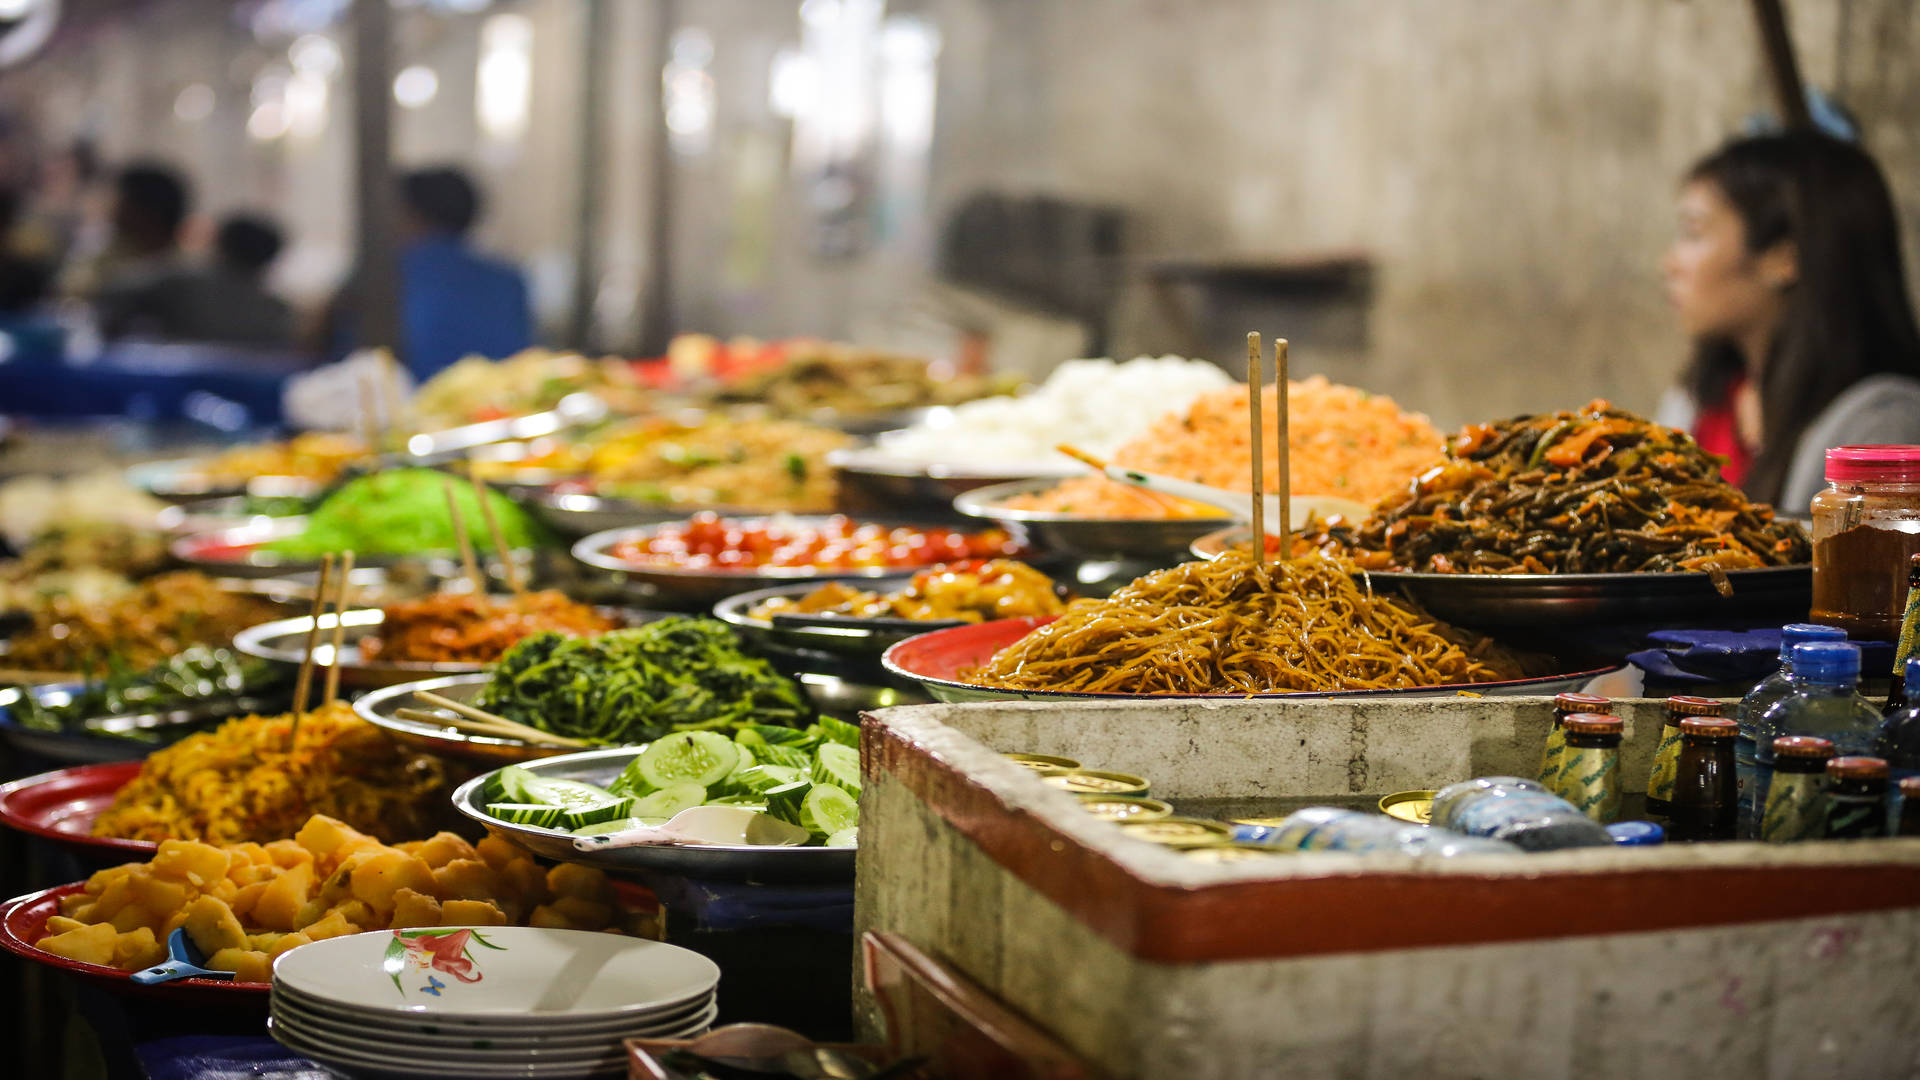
(1232, 626)
(1595, 491)
(966, 592)
(462, 627)
(156, 619)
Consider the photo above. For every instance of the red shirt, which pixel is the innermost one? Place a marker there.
(1717, 432)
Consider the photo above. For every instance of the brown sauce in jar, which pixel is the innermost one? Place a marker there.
(1860, 580)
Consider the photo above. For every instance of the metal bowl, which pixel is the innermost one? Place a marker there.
(380, 708)
(579, 514)
(762, 865)
(842, 635)
(1088, 538)
(183, 480)
(121, 736)
(938, 661)
(705, 587)
(1775, 595)
(870, 478)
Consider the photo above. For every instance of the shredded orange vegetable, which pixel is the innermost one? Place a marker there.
(1342, 441)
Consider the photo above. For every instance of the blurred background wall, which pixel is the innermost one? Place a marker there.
(1458, 202)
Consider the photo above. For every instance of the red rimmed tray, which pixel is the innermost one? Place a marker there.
(60, 807)
(23, 921)
(937, 661)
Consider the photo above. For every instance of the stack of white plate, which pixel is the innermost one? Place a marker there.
(495, 1001)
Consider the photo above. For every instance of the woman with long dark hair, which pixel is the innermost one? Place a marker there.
(1787, 276)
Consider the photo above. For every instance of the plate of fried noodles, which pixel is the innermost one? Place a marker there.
(1231, 627)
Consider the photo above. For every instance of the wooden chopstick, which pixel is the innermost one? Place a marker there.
(1255, 407)
(339, 628)
(477, 579)
(499, 539)
(508, 730)
(304, 684)
(1284, 449)
(485, 717)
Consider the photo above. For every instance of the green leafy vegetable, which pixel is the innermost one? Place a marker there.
(193, 676)
(404, 511)
(635, 686)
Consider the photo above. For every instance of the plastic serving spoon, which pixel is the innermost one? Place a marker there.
(183, 962)
(730, 825)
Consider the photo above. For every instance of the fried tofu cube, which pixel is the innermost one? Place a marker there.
(444, 847)
(585, 882)
(283, 897)
(287, 854)
(582, 914)
(357, 912)
(174, 922)
(98, 881)
(321, 835)
(309, 913)
(253, 874)
(133, 917)
(73, 905)
(497, 853)
(212, 926)
(466, 879)
(247, 965)
(264, 942)
(248, 898)
(191, 861)
(333, 926)
(471, 913)
(286, 942)
(376, 879)
(87, 945)
(255, 853)
(412, 908)
(60, 924)
(546, 917)
(338, 885)
(527, 881)
(160, 894)
(138, 949)
(409, 847)
(223, 890)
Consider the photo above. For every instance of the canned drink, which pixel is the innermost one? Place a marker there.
(1178, 831)
(1096, 782)
(1044, 764)
(1228, 853)
(1125, 807)
(1414, 806)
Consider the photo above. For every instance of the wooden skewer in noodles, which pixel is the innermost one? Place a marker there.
(472, 565)
(1283, 448)
(304, 683)
(461, 708)
(341, 596)
(499, 539)
(1255, 406)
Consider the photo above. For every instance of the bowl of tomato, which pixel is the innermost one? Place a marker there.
(708, 557)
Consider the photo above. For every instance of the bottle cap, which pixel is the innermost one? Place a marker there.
(1686, 705)
(1594, 724)
(1636, 833)
(1866, 464)
(1910, 787)
(1913, 677)
(1827, 663)
(1802, 746)
(1709, 727)
(1857, 768)
(1582, 703)
(1794, 633)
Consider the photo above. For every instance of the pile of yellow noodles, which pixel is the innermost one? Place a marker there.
(1341, 441)
(1232, 626)
(247, 781)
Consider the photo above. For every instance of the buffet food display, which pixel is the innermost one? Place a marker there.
(478, 389)
(405, 512)
(709, 541)
(959, 592)
(150, 621)
(467, 627)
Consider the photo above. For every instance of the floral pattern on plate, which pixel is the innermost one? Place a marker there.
(448, 951)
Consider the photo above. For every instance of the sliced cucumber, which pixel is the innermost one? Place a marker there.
(827, 810)
(630, 782)
(510, 785)
(784, 802)
(688, 757)
(837, 764)
(780, 736)
(571, 794)
(595, 813)
(535, 814)
(607, 828)
(757, 780)
(792, 757)
(845, 838)
(670, 800)
(751, 802)
(747, 759)
(828, 729)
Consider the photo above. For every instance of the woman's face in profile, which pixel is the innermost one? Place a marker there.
(1713, 282)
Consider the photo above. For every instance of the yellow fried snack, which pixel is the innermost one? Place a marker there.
(243, 905)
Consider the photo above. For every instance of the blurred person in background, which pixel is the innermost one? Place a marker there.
(455, 301)
(150, 206)
(224, 302)
(1788, 278)
(27, 333)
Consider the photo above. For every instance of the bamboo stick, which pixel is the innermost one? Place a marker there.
(500, 549)
(472, 565)
(1255, 407)
(508, 730)
(1282, 409)
(304, 683)
(339, 628)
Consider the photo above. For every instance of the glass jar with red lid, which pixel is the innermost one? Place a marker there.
(1866, 528)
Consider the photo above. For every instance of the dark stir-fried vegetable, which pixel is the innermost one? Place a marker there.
(195, 676)
(633, 686)
(1598, 490)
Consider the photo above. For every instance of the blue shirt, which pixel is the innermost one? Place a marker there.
(456, 302)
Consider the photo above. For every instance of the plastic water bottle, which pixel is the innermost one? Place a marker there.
(1826, 702)
(1764, 693)
(1329, 828)
(1518, 812)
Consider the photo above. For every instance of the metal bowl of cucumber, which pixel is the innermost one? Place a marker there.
(764, 804)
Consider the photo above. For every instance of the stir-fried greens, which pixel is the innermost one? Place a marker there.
(1598, 490)
(196, 676)
(634, 686)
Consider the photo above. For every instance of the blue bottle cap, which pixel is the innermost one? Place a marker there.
(1636, 833)
(1913, 676)
(1826, 663)
(1795, 633)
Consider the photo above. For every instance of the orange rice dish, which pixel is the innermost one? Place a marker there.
(1342, 440)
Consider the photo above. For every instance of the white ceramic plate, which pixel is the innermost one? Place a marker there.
(500, 974)
(413, 1023)
(428, 1064)
(463, 1037)
(377, 1043)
